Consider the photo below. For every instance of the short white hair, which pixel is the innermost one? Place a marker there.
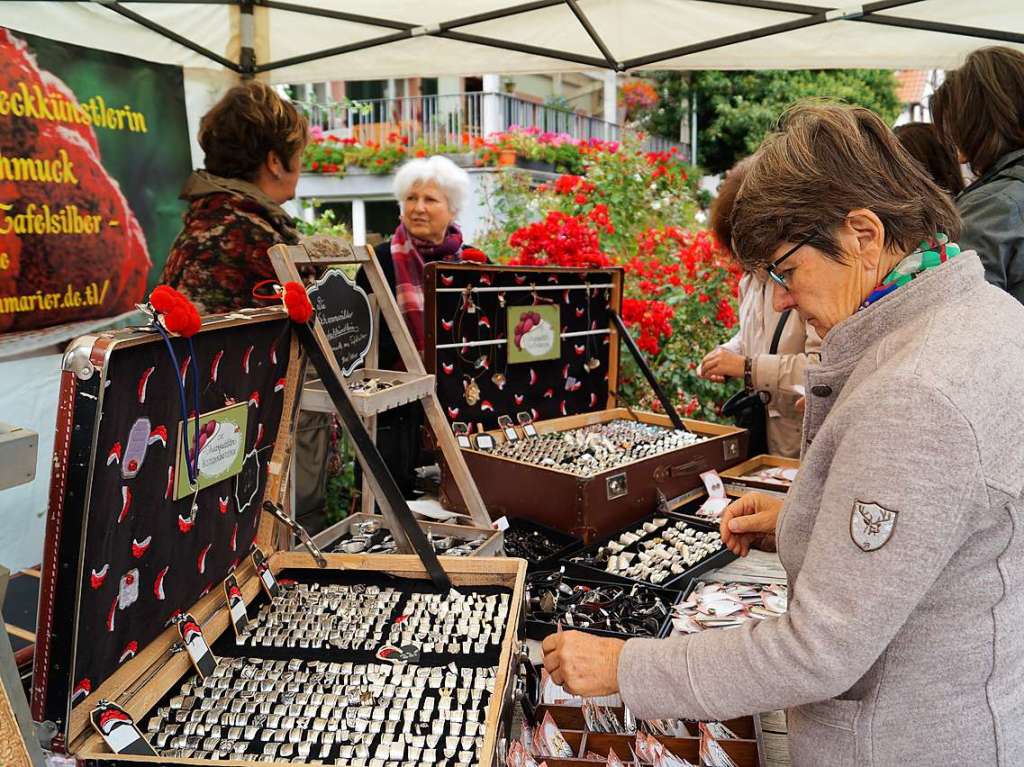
(452, 180)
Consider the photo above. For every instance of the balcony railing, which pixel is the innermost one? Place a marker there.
(437, 121)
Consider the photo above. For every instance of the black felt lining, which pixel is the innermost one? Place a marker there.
(148, 544)
(547, 395)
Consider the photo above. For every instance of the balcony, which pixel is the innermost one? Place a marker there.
(437, 121)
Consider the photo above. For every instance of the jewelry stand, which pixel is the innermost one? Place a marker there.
(415, 383)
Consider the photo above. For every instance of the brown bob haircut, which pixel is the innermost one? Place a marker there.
(247, 124)
(721, 208)
(825, 160)
(980, 107)
(938, 158)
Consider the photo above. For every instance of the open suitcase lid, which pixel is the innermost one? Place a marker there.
(486, 323)
(123, 557)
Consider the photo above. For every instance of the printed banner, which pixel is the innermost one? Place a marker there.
(94, 149)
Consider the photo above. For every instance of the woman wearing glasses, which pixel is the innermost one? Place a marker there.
(769, 352)
(902, 535)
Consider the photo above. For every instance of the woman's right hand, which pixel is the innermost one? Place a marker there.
(749, 522)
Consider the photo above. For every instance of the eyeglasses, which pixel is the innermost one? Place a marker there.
(777, 278)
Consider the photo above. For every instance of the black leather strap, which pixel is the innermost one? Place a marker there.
(393, 497)
(774, 348)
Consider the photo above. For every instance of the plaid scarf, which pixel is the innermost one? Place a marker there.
(928, 255)
(409, 254)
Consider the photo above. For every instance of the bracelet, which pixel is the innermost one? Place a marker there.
(748, 374)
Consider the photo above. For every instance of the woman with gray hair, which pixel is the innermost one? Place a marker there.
(903, 642)
(431, 192)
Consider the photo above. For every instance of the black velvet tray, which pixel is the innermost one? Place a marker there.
(676, 583)
(568, 543)
(537, 628)
(225, 646)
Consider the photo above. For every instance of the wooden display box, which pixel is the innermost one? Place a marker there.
(122, 557)
(747, 750)
(491, 547)
(741, 474)
(457, 341)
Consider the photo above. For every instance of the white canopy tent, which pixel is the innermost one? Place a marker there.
(315, 40)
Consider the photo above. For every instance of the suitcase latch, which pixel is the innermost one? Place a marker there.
(731, 449)
(616, 486)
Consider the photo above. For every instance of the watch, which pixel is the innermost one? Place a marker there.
(748, 374)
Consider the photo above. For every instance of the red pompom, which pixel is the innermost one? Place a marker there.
(179, 314)
(474, 255)
(164, 298)
(296, 301)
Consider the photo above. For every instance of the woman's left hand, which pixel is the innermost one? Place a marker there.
(721, 364)
(583, 664)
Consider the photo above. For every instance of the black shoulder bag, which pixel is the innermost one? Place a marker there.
(748, 410)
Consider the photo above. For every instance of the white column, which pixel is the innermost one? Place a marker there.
(492, 122)
(611, 98)
(358, 222)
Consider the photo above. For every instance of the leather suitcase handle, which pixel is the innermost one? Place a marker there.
(691, 467)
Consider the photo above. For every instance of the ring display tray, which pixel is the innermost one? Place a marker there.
(772, 473)
(484, 542)
(482, 323)
(136, 582)
(402, 388)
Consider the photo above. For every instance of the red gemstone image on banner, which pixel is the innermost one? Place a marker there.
(80, 144)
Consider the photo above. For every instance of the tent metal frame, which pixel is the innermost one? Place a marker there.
(868, 13)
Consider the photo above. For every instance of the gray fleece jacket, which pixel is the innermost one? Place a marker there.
(903, 540)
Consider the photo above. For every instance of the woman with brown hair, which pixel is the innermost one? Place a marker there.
(979, 109)
(937, 158)
(903, 642)
(769, 352)
(253, 140)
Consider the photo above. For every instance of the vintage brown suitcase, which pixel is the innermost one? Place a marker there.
(472, 310)
(124, 560)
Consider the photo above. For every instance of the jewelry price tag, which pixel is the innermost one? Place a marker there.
(717, 501)
(118, 730)
(199, 651)
(505, 422)
(526, 421)
(484, 442)
(236, 605)
(461, 434)
(267, 579)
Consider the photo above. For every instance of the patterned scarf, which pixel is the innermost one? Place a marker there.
(928, 255)
(409, 254)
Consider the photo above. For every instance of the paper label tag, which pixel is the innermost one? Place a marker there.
(236, 605)
(118, 730)
(463, 441)
(500, 524)
(267, 579)
(713, 484)
(484, 442)
(199, 651)
(511, 434)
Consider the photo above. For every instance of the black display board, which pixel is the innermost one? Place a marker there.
(147, 557)
(344, 312)
(576, 381)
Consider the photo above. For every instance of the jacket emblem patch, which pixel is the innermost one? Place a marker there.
(871, 525)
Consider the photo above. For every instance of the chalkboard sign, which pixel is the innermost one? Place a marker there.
(344, 312)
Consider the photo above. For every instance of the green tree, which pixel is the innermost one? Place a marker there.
(736, 109)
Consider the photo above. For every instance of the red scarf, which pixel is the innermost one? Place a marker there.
(409, 254)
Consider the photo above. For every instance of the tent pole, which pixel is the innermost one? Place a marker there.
(247, 36)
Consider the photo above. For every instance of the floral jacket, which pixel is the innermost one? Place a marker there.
(221, 253)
